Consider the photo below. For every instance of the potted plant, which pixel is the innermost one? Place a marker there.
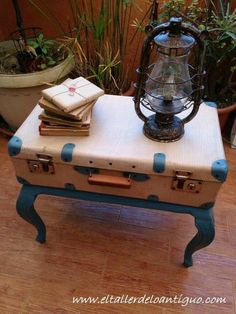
(28, 63)
(219, 20)
(221, 59)
(103, 41)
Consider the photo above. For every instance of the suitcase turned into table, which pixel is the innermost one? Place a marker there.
(118, 164)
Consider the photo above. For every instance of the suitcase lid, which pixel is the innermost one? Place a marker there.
(117, 142)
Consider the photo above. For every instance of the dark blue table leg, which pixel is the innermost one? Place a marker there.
(25, 208)
(204, 221)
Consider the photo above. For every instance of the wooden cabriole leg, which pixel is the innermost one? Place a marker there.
(204, 221)
(25, 208)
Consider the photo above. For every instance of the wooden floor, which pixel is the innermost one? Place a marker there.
(98, 249)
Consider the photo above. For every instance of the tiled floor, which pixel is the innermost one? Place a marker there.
(98, 249)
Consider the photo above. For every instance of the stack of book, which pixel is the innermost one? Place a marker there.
(68, 107)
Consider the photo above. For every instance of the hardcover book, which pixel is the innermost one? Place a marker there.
(48, 130)
(76, 114)
(56, 120)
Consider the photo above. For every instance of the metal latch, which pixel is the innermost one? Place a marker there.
(182, 182)
(43, 164)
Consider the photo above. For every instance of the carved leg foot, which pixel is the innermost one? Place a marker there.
(206, 232)
(25, 208)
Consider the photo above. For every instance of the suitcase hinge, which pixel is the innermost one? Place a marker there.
(44, 164)
(182, 182)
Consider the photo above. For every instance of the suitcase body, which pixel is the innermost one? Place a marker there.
(118, 160)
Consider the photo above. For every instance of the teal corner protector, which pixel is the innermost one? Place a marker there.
(159, 162)
(67, 152)
(219, 169)
(14, 146)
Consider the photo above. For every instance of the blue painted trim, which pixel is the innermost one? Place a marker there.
(14, 146)
(211, 104)
(67, 152)
(207, 205)
(159, 162)
(70, 186)
(22, 180)
(153, 198)
(122, 200)
(219, 169)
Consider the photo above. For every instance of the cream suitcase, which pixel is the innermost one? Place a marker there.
(117, 160)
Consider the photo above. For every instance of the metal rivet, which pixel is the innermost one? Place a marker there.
(191, 186)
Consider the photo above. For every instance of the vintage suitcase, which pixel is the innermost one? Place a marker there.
(118, 160)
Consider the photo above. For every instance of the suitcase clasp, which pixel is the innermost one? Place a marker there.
(182, 182)
(44, 164)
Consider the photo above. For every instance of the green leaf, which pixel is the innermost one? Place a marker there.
(49, 42)
(232, 35)
(44, 50)
(34, 45)
(42, 66)
(40, 37)
(51, 62)
(99, 32)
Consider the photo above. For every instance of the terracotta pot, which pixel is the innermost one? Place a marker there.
(130, 91)
(224, 114)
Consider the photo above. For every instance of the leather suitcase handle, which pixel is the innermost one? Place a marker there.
(102, 179)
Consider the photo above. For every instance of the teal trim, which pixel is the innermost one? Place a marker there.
(14, 146)
(70, 186)
(159, 162)
(153, 198)
(211, 104)
(219, 169)
(122, 200)
(207, 205)
(67, 152)
(22, 180)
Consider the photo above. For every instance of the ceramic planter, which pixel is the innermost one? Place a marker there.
(19, 93)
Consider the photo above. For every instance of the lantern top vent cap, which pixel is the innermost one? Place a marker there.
(174, 37)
